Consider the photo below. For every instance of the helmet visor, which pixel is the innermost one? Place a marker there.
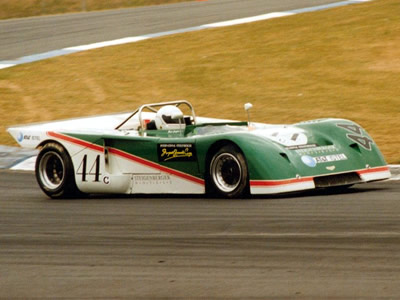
(169, 120)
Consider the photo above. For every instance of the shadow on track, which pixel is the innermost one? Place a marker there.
(360, 189)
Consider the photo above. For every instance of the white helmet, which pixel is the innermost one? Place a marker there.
(169, 117)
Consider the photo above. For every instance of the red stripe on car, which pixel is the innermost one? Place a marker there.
(75, 141)
(126, 155)
(374, 170)
(279, 182)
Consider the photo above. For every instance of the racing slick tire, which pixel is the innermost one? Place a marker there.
(55, 173)
(228, 173)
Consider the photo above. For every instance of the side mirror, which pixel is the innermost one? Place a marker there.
(247, 107)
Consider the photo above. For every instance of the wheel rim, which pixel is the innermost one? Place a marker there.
(51, 170)
(226, 172)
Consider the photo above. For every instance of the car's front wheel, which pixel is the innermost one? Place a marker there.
(228, 172)
(55, 172)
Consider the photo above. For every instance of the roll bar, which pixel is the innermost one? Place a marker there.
(152, 107)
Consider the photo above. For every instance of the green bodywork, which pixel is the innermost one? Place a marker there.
(266, 159)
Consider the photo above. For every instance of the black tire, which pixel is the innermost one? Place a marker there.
(55, 172)
(228, 174)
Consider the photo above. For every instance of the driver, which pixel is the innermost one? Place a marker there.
(170, 117)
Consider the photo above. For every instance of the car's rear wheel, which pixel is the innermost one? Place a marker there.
(228, 172)
(55, 172)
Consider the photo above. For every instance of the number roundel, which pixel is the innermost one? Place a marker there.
(357, 135)
(55, 173)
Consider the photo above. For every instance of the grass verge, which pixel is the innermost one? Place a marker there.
(343, 62)
(28, 8)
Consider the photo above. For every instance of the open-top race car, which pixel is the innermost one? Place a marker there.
(159, 149)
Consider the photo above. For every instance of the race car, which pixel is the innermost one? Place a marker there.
(165, 148)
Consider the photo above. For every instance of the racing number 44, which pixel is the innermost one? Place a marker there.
(94, 169)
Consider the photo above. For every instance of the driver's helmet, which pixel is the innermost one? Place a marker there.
(164, 118)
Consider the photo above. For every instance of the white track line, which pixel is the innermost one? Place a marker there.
(395, 170)
(26, 165)
(361, 234)
(70, 50)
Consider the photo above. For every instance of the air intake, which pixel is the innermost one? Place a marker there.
(336, 180)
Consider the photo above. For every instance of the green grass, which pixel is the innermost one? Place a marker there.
(29, 8)
(343, 62)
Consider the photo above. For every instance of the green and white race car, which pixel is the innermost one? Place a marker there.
(165, 148)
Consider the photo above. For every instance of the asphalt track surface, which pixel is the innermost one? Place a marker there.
(27, 36)
(304, 246)
(316, 245)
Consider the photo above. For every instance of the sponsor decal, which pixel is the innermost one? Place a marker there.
(330, 158)
(313, 161)
(299, 147)
(20, 137)
(317, 150)
(331, 168)
(176, 152)
(309, 161)
(174, 131)
(26, 137)
(357, 135)
(152, 179)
